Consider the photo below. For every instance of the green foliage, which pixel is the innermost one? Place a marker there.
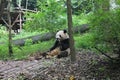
(118, 2)
(80, 19)
(82, 6)
(3, 34)
(50, 16)
(25, 34)
(85, 41)
(81, 41)
(106, 26)
(24, 51)
(28, 42)
(100, 5)
(3, 51)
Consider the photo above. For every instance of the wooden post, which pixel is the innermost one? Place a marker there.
(20, 21)
(10, 29)
(20, 13)
(26, 4)
(69, 18)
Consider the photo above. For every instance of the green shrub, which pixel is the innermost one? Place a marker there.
(80, 19)
(84, 41)
(3, 34)
(25, 51)
(3, 51)
(22, 52)
(24, 34)
(106, 27)
(50, 16)
(28, 42)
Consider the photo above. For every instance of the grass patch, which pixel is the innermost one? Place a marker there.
(84, 41)
(23, 52)
(30, 49)
(25, 34)
(81, 41)
(3, 51)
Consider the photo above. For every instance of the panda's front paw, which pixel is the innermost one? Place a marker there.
(59, 56)
(44, 54)
(62, 54)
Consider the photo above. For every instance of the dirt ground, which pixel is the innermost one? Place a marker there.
(88, 66)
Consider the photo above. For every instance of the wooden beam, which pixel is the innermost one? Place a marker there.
(29, 10)
(20, 21)
(4, 21)
(15, 20)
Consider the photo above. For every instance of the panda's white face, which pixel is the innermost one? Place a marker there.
(61, 35)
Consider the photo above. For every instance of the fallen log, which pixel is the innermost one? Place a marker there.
(81, 28)
(35, 39)
(47, 36)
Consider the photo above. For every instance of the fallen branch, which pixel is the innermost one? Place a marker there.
(104, 54)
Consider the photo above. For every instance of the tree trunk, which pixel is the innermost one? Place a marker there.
(10, 28)
(69, 18)
(2, 6)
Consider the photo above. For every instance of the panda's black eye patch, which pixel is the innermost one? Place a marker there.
(60, 36)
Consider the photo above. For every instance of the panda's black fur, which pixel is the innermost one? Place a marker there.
(62, 54)
(62, 42)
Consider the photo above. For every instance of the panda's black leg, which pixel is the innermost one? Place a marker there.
(44, 54)
(62, 54)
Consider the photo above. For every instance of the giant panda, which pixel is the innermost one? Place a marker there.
(61, 47)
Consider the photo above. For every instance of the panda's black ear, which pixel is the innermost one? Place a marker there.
(65, 31)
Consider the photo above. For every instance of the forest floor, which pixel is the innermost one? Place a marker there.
(88, 66)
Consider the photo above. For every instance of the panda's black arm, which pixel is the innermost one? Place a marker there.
(56, 44)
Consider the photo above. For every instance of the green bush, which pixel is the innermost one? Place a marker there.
(3, 34)
(106, 27)
(3, 51)
(80, 19)
(85, 41)
(25, 51)
(28, 42)
(22, 52)
(50, 16)
(24, 34)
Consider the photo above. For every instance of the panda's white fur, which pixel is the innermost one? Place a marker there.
(61, 35)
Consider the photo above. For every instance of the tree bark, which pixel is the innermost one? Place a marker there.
(2, 6)
(69, 18)
(10, 28)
